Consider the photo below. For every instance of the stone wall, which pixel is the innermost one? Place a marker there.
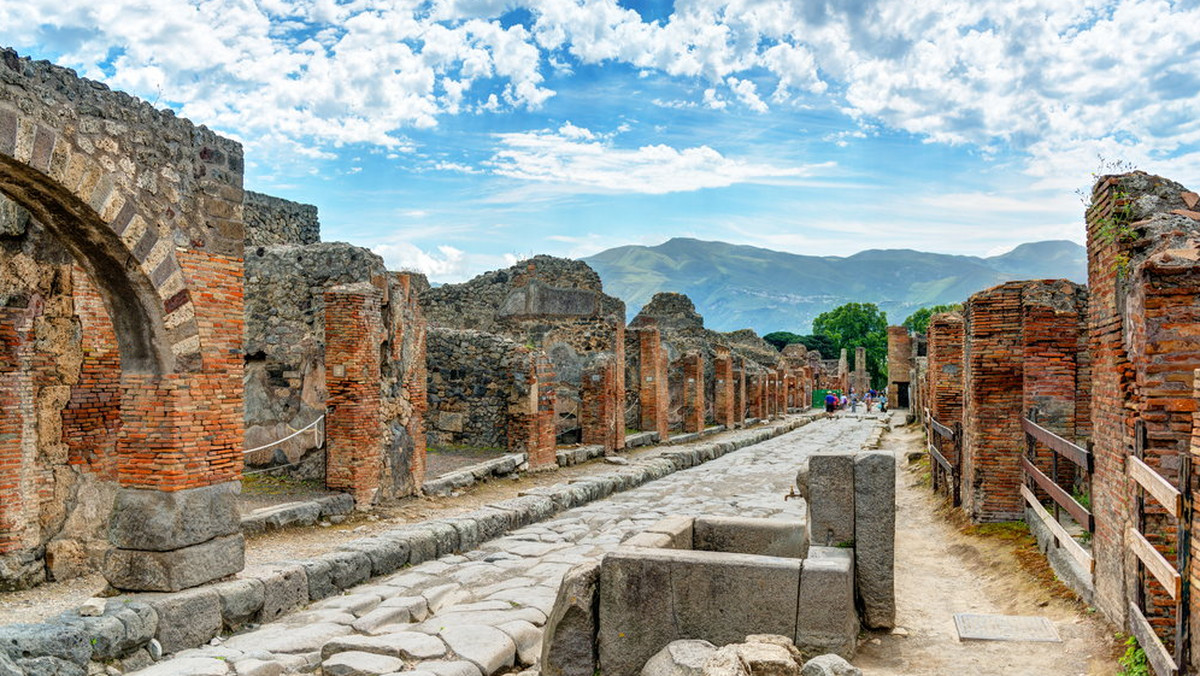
(1021, 350)
(1145, 291)
(271, 221)
(285, 346)
(286, 367)
(149, 206)
(557, 306)
(482, 391)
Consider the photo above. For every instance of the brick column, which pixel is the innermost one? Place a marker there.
(723, 398)
(945, 359)
(602, 419)
(654, 397)
(693, 392)
(992, 403)
(353, 423)
(899, 363)
(1021, 342)
(739, 390)
(1145, 289)
(531, 417)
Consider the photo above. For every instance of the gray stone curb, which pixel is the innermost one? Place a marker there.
(448, 483)
(292, 514)
(136, 629)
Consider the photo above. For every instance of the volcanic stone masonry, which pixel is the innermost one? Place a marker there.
(150, 208)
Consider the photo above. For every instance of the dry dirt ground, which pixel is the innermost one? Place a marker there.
(944, 567)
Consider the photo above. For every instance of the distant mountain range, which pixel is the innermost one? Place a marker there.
(736, 287)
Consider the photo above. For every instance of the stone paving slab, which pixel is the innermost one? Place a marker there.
(508, 583)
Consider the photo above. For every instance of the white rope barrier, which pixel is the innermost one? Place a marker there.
(290, 436)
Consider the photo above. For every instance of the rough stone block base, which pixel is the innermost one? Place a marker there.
(649, 598)
(826, 619)
(140, 570)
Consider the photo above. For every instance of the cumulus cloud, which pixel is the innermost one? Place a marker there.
(447, 262)
(1045, 77)
(587, 162)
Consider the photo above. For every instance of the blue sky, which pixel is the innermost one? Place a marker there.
(457, 136)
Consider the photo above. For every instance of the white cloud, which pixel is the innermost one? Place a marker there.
(579, 160)
(446, 262)
(1051, 78)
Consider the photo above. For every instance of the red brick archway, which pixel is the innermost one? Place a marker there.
(150, 207)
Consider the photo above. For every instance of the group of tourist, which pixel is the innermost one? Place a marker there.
(835, 402)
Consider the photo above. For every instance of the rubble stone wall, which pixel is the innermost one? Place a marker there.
(272, 221)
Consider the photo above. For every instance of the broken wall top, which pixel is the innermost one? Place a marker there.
(543, 286)
(274, 220)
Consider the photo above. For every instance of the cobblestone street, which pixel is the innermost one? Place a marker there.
(482, 612)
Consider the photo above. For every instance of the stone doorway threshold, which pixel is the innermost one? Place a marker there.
(975, 627)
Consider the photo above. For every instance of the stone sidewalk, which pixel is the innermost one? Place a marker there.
(482, 612)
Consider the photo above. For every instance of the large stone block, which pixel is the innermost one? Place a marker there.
(649, 598)
(161, 521)
(722, 597)
(241, 601)
(569, 641)
(826, 619)
(284, 587)
(831, 499)
(67, 642)
(875, 537)
(186, 619)
(787, 538)
(135, 570)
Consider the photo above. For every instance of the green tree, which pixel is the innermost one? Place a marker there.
(858, 325)
(781, 339)
(822, 344)
(918, 322)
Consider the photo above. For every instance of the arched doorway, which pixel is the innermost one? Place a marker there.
(149, 207)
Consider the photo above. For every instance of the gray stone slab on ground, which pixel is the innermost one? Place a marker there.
(685, 657)
(875, 537)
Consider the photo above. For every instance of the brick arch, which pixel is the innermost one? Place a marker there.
(89, 219)
(150, 206)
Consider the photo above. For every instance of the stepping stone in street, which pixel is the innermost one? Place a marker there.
(486, 647)
(355, 663)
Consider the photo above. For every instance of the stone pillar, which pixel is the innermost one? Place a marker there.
(175, 521)
(353, 423)
(723, 404)
(739, 391)
(899, 366)
(602, 419)
(693, 392)
(945, 355)
(862, 380)
(654, 397)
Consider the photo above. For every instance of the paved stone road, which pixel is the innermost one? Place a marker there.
(481, 613)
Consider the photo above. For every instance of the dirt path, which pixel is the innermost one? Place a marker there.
(943, 568)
